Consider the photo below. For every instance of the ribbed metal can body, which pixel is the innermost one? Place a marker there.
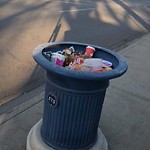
(71, 117)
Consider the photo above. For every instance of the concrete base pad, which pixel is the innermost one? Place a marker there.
(35, 142)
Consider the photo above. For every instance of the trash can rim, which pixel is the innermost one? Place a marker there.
(49, 66)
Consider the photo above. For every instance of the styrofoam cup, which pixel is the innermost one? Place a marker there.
(92, 64)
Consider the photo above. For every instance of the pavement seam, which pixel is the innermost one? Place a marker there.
(141, 98)
(21, 108)
(132, 44)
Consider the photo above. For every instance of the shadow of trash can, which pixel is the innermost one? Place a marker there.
(74, 99)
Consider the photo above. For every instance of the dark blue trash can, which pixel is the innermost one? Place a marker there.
(74, 99)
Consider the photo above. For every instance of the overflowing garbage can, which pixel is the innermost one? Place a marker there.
(74, 98)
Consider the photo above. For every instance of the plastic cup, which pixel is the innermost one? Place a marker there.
(58, 59)
(106, 63)
(85, 67)
(89, 51)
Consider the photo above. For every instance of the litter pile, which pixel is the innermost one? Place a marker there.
(75, 60)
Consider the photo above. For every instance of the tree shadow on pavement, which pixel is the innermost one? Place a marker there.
(132, 13)
(94, 22)
(103, 23)
(39, 73)
(91, 26)
(15, 17)
(4, 2)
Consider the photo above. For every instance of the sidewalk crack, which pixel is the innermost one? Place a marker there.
(142, 98)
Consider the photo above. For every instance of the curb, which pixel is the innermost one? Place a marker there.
(20, 104)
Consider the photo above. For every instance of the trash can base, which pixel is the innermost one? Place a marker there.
(35, 142)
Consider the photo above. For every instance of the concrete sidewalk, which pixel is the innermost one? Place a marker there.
(126, 114)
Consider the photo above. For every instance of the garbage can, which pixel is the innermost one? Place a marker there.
(74, 99)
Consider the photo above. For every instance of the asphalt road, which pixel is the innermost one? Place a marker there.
(25, 24)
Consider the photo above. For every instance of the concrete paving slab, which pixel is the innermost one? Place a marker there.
(14, 132)
(125, 121)
(137, 78)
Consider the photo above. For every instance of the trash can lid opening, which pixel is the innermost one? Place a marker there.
(118, 62)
